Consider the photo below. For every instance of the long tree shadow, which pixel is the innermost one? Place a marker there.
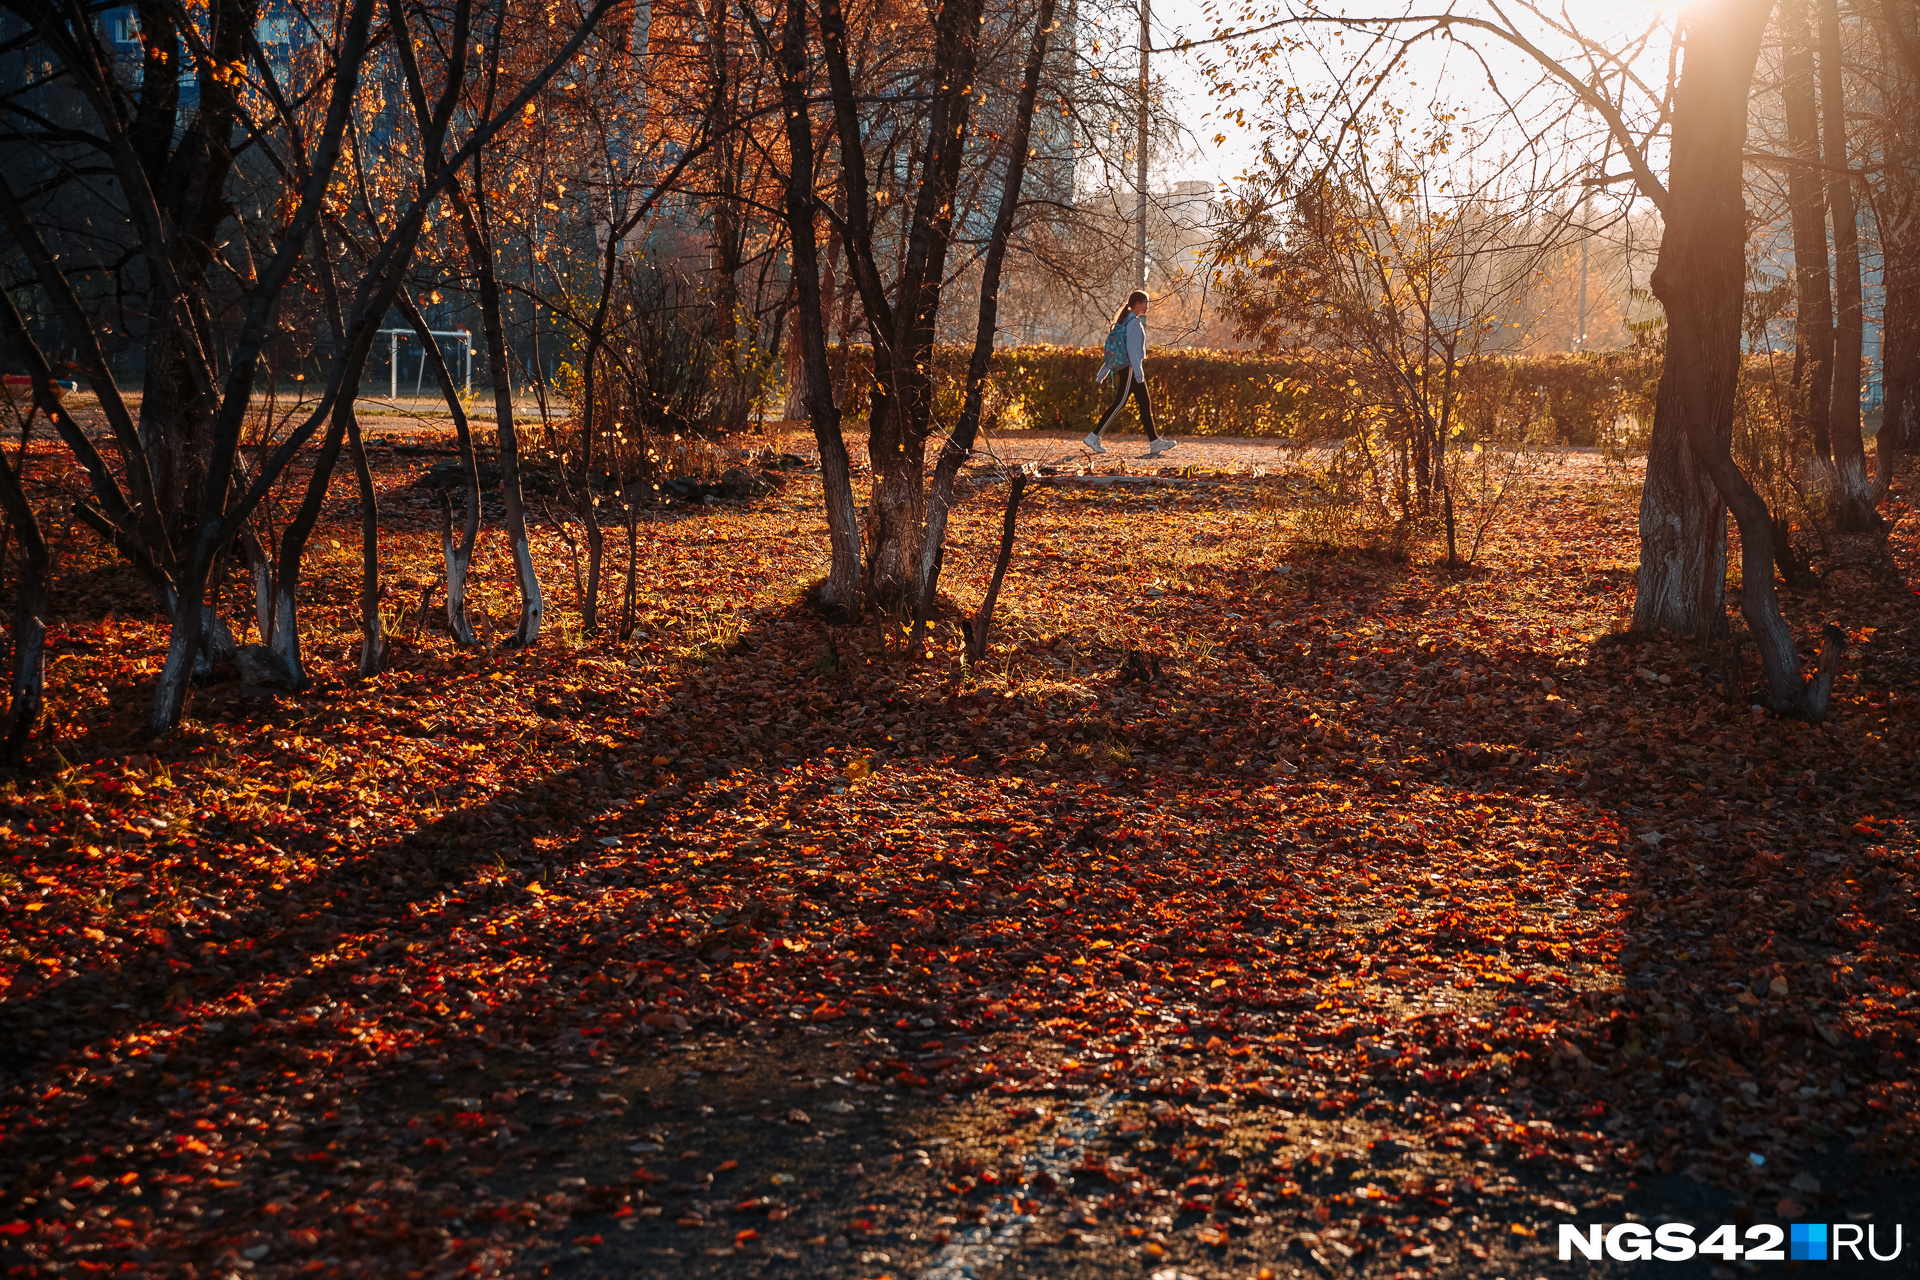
(866, 867)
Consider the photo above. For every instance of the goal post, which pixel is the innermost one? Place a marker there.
(393, 355)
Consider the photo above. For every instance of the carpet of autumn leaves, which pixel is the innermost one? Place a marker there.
(1409, 912)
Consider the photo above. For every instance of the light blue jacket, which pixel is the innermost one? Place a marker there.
(1136, 338)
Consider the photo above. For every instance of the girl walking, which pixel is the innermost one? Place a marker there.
(1126, 347)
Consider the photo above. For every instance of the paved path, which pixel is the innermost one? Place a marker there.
(1128, 453)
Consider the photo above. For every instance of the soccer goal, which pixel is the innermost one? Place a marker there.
(393, 358)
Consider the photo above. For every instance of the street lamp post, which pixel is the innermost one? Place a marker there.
(1140, 158)
(1586, 234)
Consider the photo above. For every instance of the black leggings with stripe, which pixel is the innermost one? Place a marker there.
(1128, 385)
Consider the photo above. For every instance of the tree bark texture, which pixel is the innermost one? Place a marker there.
(26, 686)
(373, 628)
(728, 227)
(532, 603)
(959, 445)
(1700, 281)
(840, 591)
(1853, 488)
(901, 407)
(456, 555)
(1807, 202)
(1682, 583)
(983, 621)
(1899, 219)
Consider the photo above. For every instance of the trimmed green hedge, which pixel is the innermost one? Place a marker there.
(1571, 399)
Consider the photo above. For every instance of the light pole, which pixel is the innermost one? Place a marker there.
(1140, 159)
(1586, 234)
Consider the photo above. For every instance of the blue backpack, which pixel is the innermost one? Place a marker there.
(1116, 355)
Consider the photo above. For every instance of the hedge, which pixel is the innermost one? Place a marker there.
(1570, 399)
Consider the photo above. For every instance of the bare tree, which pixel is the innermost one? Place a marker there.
(1700, 278)
(184, 498)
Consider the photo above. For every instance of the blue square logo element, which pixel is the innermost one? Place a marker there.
(1807, 1242)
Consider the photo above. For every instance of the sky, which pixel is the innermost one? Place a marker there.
(1216, 162)
(1171, 21)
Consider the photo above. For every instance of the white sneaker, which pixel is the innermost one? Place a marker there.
(1160, 446)
(1093, 442)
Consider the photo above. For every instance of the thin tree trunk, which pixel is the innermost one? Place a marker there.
(983, 622)
(373, 628)
(532, 603)
(1898, 217)
(959, 445)
(596, 558)
(841, 590)
(585, 503)
(260, 569)
(631, 513)
(1853, 506)
(26, 417)
(458, 556)
(843, 329)
(1806, 198)
(725, 213)
(26, 688)
(1700, 280)
(293, 546)
(284, 631)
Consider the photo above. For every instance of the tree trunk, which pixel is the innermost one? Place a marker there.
(260, 569)
(630, 515)
(794, 407)
(457, 556)
(1853, 488)
(904, 360)
(1899, 220)
(724, 210)
(293, 545)
(585, 504)
(26, 689)
(832, 298)
(373, 628)
(959, 445)
(1806, 199)
(897, 505)
(840, 592)
(1422, 467)
(532, 603)
(1700, 280)
(983, 621)
(903, 329)
(1681, 588)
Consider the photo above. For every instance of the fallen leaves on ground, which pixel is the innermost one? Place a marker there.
(1394, 895)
